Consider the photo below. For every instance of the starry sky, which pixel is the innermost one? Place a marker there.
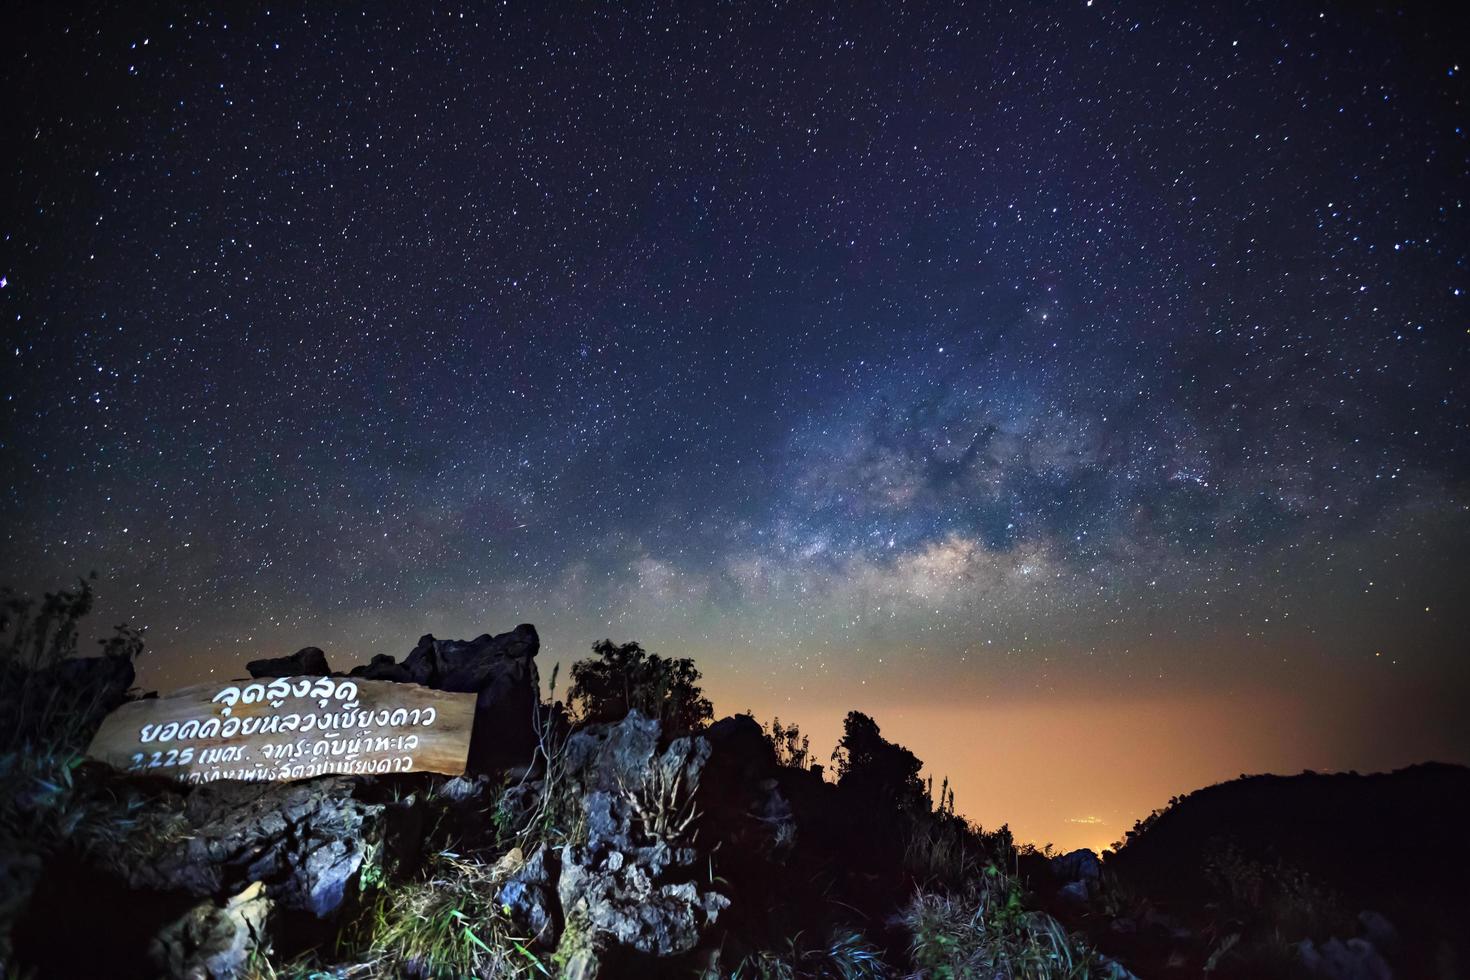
(1078, 388)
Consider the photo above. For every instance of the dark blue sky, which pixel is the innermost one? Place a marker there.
(1094, 347)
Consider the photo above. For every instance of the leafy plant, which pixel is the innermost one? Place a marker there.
(1290, 900)
(624, 677)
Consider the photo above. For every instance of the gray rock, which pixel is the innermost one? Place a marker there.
(1334, 959)
(621, 904)
(212, 941)
(529, 894)
(382, 668)
(307, 841)
(630, 883)
(306, 662)
(459, 789)
(456, 665)
(1078, 865)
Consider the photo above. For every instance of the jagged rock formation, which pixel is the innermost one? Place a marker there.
(623, 885)
(500, 669)
(306, 662)
(306, 842)
(1079, 873)
(629, 883)
(1356, 959)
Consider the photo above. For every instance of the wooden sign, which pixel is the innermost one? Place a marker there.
(289, 728)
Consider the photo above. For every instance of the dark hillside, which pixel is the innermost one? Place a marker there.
(1367, 871)
(1368, 836)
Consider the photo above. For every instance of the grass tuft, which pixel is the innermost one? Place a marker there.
(986, 931)
(446, 925)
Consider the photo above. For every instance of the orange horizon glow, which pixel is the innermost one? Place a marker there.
(1070, 767)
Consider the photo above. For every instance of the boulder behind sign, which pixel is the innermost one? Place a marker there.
(306, 662)
(500, 669)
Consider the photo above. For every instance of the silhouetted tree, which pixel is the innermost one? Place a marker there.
(792, 747)
(875, 769)
(625, 676)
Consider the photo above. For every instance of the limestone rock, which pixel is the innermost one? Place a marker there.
(306, 841)
(306, 662)
(528, 893)
(1334, 959)
(631, 884)
(500, 669)
(1078, 865)
(619, 903)
(212, 941)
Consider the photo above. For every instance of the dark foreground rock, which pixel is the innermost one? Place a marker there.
(306, 662)
(185, 881)
(500, 670)
(1341, 875)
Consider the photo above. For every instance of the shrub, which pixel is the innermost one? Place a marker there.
(48, 712)
(943, 848)
(875, 769)
(986, 931)
(623, 677)
(48, 709)
(1290, 900)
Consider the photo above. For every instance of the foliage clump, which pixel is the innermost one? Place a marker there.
(447, 924)
(986, 930)
(624, 677)
(846, 954)
(45, 710)
(793, 749)
(875, 770)
(48, 713)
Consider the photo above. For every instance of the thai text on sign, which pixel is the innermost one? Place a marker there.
(289, 728)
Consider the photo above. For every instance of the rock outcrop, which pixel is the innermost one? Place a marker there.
(306, 662)
(629, 885)
(306, 842)
(613, 850)
(213, 941)
(500, 670)
(1079, 873)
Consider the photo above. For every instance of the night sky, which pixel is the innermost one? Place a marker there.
(1081, 390)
